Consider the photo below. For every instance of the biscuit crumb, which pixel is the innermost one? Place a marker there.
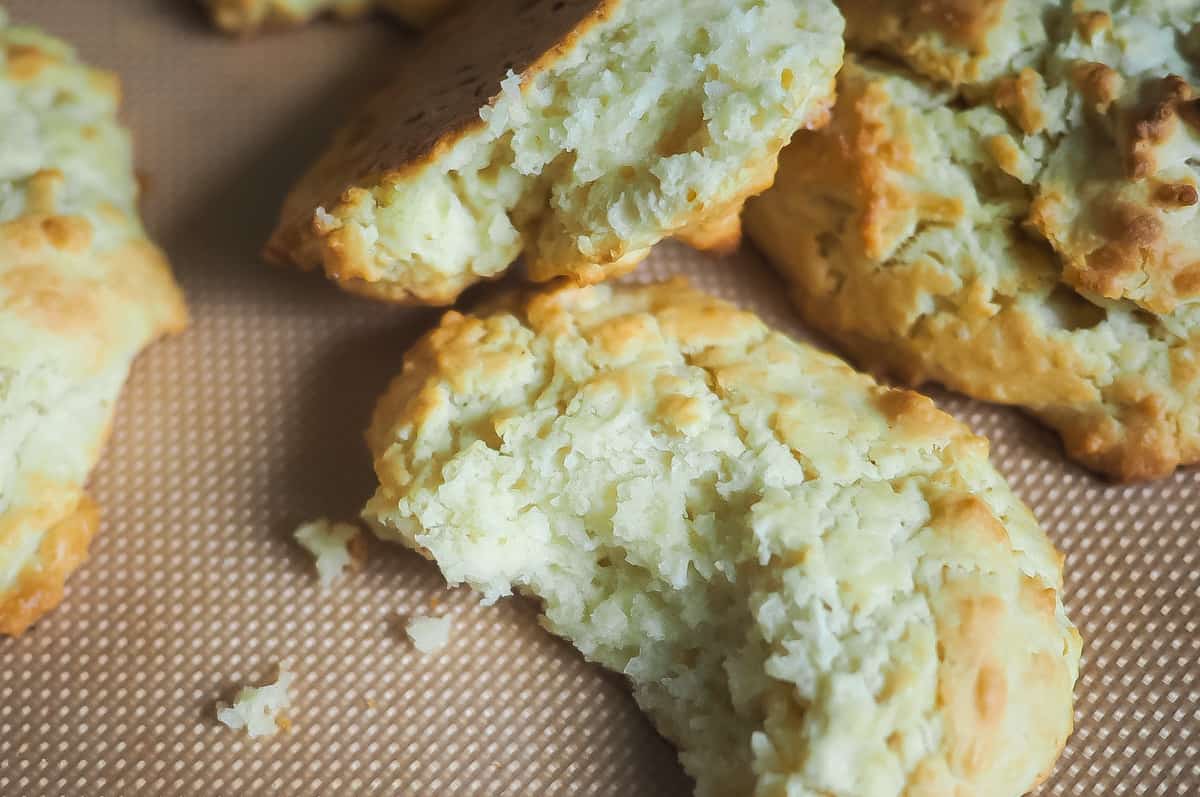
(428, 634)
(259, 709)
(334, 546)
(324, 220)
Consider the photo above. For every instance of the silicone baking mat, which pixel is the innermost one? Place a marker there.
(251, 422)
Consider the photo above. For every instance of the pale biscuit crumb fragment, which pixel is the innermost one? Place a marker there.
(82, 292)
(815, 585)
(1025, 231)
(428, 634)
(335, 547)
(576, 134)
(259, 709)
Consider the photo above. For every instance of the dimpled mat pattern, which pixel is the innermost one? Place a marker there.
(231, 435)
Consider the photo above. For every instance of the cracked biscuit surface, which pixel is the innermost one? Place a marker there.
(577, 134)
(82, 290)
(248, 16)
(1014, 214)
(816, 585)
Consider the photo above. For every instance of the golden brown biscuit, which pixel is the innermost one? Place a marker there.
(81, 292)
(816, 585)
(577, 133)
(248, 16)
(1033, 239)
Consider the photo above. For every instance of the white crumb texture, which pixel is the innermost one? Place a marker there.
(429, 634)
(258, 709)
(324, 220)
(329, 543)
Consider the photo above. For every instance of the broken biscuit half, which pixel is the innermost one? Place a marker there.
(575, 134)
(815, 584)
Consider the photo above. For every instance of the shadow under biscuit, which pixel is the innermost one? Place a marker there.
(252, 146)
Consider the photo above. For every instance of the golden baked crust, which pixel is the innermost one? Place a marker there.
(815, 584)
(577, 134)
(249, 16)
(1034, 241)
(81, 292)
(957, 41)
(39, 589)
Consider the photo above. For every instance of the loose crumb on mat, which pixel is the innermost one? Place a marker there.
(259, 709)
(334, 546)
(428, 634)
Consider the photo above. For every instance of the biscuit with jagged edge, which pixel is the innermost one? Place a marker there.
(815, 584)
(82, 290)
(1029, 237)
(248, 16)
(576, 133)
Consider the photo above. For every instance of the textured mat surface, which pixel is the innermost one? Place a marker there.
(231, 435)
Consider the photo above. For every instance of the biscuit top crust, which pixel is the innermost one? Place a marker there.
(1117, 196)
(1103, 99)
(81, 291)
(956, 41)
(815, 584)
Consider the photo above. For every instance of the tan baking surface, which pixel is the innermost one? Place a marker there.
(231, 435)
